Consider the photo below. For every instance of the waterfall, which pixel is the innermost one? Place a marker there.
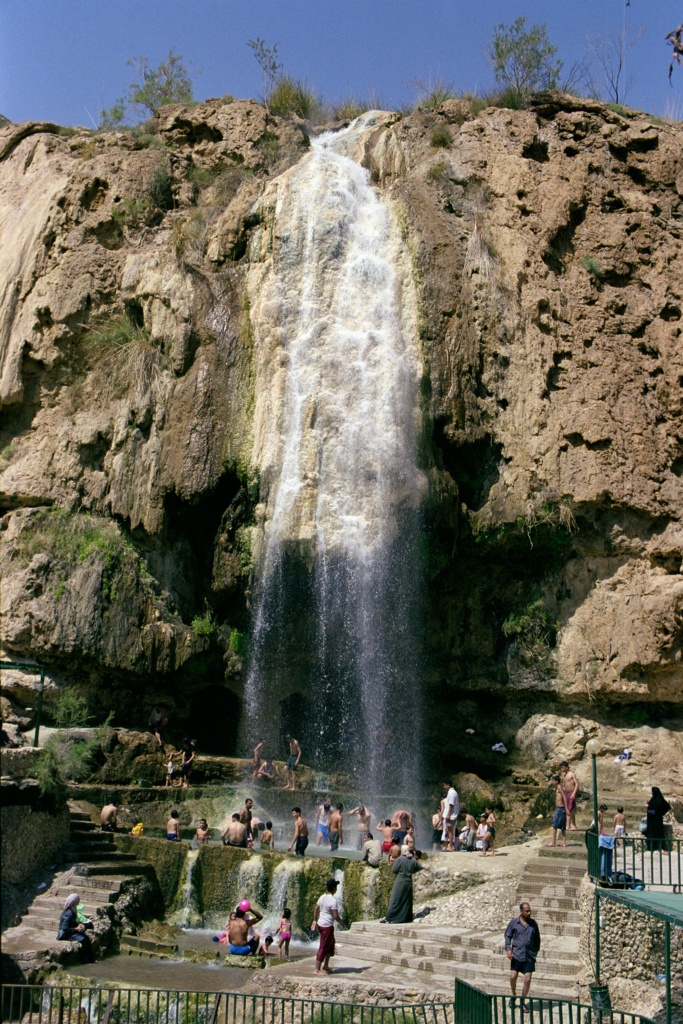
(335, 630)
(284, 886)
(187, 915)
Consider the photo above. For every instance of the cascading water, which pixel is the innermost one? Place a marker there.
(335, 629)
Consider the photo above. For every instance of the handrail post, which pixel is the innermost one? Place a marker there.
(597, 934)
(667, 968)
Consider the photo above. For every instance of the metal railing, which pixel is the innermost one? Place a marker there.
(472, 1006)
(37, 1004)
(657, 863)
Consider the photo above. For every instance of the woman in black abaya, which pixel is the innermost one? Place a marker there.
(656, 807)
(401, 902)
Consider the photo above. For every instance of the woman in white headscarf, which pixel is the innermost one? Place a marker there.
(71, 931)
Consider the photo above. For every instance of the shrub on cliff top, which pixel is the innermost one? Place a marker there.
(293, 96)
(523, 60)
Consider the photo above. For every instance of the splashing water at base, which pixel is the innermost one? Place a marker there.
(336, 623)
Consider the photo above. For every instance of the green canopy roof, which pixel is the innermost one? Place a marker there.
(667, 906)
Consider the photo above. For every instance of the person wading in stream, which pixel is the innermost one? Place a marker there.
(336, 828)
(522, 943)
(325, 914)
(362, 815)
(300, 838)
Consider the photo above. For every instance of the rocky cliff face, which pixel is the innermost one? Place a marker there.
(548, 264)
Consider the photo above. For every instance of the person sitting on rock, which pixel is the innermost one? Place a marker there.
(108, 817)
(267, 772)
(238, 931)
(71, 930)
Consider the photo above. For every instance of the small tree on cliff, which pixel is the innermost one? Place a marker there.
(523, 61)
(170, 82)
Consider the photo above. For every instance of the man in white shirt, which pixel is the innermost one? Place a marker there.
(325, 914)
(451, 810)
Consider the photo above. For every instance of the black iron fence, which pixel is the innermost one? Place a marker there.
(472, 1006)
(636, 862)
(35, 1004)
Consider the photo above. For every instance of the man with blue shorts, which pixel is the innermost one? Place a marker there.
(522, 943)
(322, 825)
(559, 822)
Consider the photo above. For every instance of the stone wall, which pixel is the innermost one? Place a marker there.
(33, 832)
(631, 955)
(167, 859)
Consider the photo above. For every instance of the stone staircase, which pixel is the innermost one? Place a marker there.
(418, 953)
(96, 870)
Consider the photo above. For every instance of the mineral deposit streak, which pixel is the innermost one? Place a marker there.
(335, 632)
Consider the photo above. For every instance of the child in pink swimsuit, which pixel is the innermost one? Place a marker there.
(285, 930)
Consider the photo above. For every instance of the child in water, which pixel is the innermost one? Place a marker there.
(268, 837)
(285, 930)
(264, 949)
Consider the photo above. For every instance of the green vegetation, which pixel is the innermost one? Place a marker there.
(293, 96)
(592, 268)
(161, 189)
(349, 109)
(432, 95)
(170, 82)
(271, 67)
(71, 708)
(118, 350)
(441, 138)
(617, 108)
(239, 643)
(205, 625)
(437, 172)
(533, 628)
(523, 61)
(64, 759)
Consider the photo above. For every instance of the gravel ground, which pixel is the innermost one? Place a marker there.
(488, 906)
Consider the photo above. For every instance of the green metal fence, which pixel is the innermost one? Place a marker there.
(472, 1006)
(656, 862)
(36, 1004)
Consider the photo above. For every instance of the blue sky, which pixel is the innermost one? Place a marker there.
(62, 60)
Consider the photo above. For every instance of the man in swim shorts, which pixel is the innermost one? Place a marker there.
(336, 828)
(300, 839)
(570, 785)
(387, 833)
(292, 762)
(559, 822)
(322, 824)
(238, 932)
(235, 833)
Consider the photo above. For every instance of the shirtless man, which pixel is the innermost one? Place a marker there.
(246, 816)
(387, 832)
(238, 932)
(570, 785)
(292, 762)
(108, 817)
(559, 822)
(173, 826)
(203, 832)
(362, 815)
(300, 838)
(336, 828)
(322, 822)
(235, 833)
(256, 759)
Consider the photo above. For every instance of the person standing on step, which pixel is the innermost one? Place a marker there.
(300, 838)
(292, 762)
(451, 809)
(559, 822)
(173, 826)
(189, 750)
(570, 785)
(336, 828)
(363, 823)
(322, 823)
(246, 817)
(522, 943)
(325, 914)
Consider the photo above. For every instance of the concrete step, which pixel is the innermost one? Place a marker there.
(116, 867)
(99, 882)
(151, 946)
(109, 855)
(557, 868)
(88, 893)
(75, 815)
(571, 852)
(84, 826)
(491, 957)
(56, 903)
(82, 851)
(545, 887)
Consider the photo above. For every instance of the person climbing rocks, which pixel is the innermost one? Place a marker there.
(292, 762)
(108, 817)
(325, 914)
(158, 720)
(256, 759)
(300, 839)
(522, 943)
